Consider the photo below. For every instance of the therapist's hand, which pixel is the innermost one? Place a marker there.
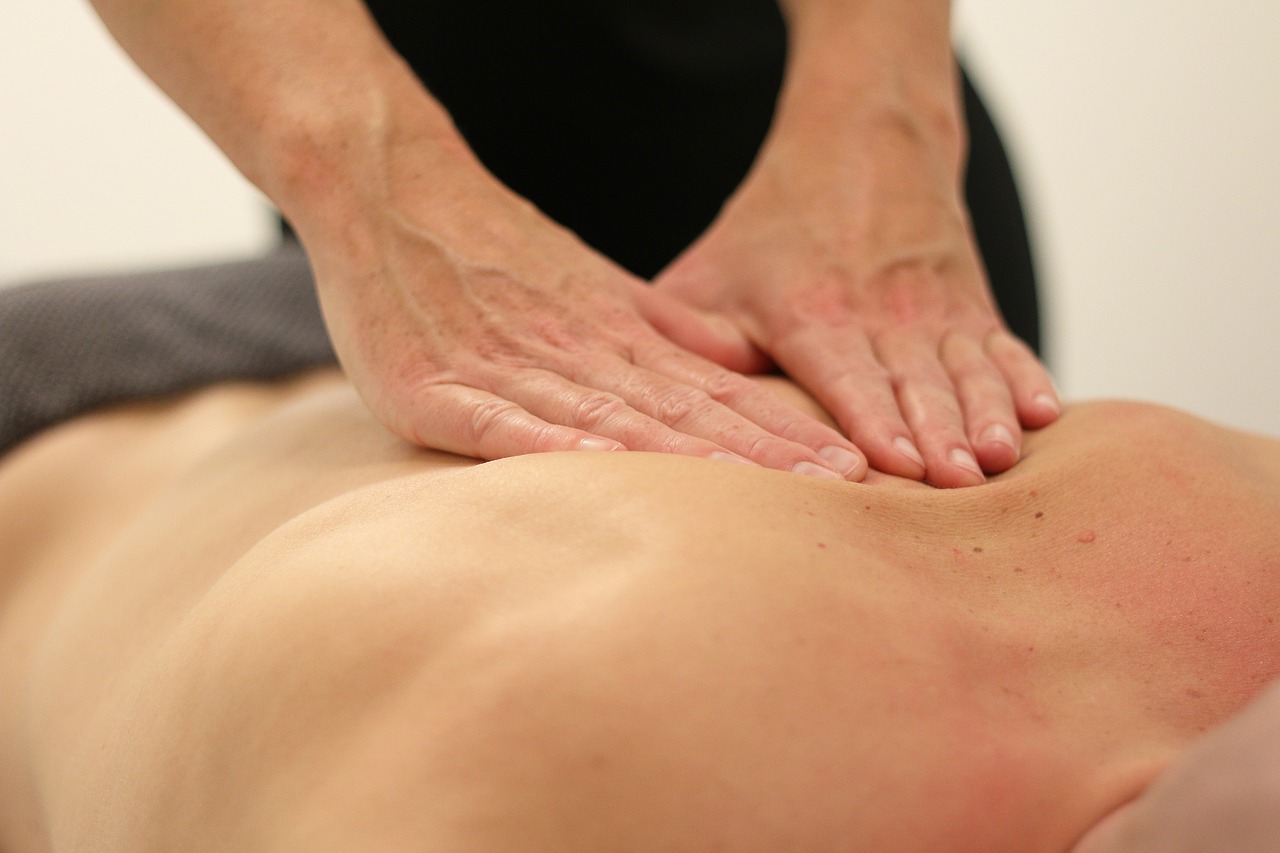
(471, 323)
(846, 257)
(468, 321)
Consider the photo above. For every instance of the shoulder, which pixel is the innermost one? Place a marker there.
(1149, 440)
(1222, 794)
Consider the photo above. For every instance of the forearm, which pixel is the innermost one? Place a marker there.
(304, 96)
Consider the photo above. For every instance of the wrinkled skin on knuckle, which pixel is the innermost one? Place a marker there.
(678, 405)
(545, 439)
(728, 388)
(762, 447)
(598, 410)
(488, 417)
(673, 442)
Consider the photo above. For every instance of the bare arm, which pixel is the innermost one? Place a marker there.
(468, 321)
(847, 257)
(281, 86)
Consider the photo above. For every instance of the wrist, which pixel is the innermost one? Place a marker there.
(865, 66)
(328, 166)
(385, 169)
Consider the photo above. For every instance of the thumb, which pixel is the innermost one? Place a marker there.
(707, 333)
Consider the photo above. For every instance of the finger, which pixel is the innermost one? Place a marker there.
(929, 405)
(1034, 397)
(556, 399)
(682, 410)
(710, 335)
(838, 366)
(758, 405)
(471, 422)
(990, 421)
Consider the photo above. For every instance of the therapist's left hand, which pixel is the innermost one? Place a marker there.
(849, 263)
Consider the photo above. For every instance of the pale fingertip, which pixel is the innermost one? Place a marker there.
(997, 450)
(907, 449)
(998, 434)
(845, 461)
(725, 456)
(1048, 404)
(962, 458)
(593, 443)
(1043, 409)
(811, 469)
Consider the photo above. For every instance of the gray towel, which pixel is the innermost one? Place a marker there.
(69, 346)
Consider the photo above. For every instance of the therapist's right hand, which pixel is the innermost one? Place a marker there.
(467, 320)
(470, 322)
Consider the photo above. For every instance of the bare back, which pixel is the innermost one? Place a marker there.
(684, 653)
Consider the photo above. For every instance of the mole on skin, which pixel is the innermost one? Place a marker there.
(1086, 536)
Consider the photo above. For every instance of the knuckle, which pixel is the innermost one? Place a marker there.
(725, 386)
(894, 345)
(597, 408)
(929, 383)
(676, 443)
(489, 417)
(856, 370)
(975, 373)
(771, 448)
(956, 348)
(1004, 342)
(863, 374)
(680, 404)
(547, 438)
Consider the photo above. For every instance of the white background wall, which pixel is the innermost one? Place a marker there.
(1146, 134)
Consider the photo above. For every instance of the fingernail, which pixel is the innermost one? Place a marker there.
(810, 469)
(724, 456)
(903, 445)
(964, 459)
(1048, 401)
(997, 434)
(845, 461)
(599, 444)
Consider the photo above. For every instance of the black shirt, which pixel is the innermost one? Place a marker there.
(628, 121)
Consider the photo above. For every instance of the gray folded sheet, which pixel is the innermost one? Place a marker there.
(69, 346)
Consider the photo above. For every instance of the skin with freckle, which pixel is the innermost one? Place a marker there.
(251, 619)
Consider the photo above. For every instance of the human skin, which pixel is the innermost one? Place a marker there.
(1224, 794)
(471, 322)
(847, 255)
(254, 620)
